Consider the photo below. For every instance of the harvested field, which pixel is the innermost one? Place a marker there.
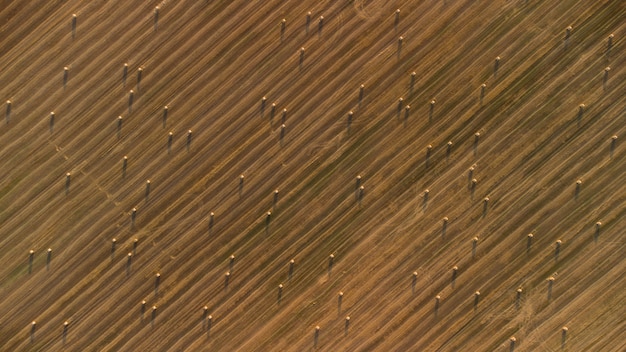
(156, 182)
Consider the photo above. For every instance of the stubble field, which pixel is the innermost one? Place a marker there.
(433, 224)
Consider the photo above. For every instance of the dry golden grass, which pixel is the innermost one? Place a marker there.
(206, 227)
